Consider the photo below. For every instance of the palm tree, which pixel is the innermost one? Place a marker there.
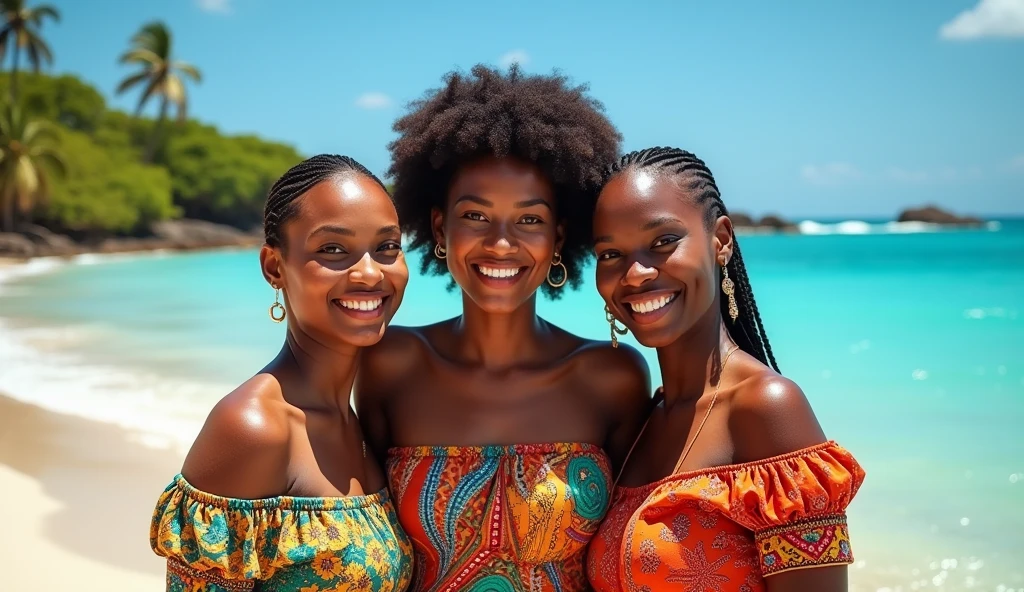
(20, 25)
(151, 49)
(28, 151)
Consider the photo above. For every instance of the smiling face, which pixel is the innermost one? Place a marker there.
(341, 264)
(657, 261)
(499, 231)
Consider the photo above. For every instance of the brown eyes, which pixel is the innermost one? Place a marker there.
(528, 219)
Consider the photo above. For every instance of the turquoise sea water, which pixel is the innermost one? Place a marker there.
(910, 347)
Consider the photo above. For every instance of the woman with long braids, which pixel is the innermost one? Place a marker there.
(731, 485)
(278, 492)
(500, 429)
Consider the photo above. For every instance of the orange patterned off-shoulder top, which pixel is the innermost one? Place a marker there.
(726, 528)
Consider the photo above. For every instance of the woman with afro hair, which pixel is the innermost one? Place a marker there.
(500, 431)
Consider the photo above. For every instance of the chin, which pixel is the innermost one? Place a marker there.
(498, 304)
(655, 339)
(365, 337)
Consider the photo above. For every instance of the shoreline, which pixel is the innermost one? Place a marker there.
(85, 493)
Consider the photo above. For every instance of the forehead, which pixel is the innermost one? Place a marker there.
(495, 178)
(642, 194)
(356, 199)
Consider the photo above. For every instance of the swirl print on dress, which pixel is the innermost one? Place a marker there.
(500, 518)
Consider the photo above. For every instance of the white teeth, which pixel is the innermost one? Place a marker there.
(651, 305)
(362, 304)
(498, 272)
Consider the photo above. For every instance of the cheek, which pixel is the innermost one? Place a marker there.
(606, 277)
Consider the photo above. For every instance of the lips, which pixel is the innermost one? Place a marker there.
(648, 307)
(364, 306)
(499, 274)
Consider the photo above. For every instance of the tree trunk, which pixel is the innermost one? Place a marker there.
(14, 72)
(8, 212)
(154, 138)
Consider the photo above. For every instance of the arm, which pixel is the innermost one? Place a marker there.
(770, 417)
(622, 378)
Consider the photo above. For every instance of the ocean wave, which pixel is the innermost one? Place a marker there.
(41, 367)
(855, 227)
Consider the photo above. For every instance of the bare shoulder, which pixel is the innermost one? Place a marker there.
(770, 415)
(243, 448)
(398, 355)
(618, 376)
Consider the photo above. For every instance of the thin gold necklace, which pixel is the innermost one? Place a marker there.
(721, 376)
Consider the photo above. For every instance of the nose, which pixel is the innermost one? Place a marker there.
(366, 271)
(638, 274)
(499, 243)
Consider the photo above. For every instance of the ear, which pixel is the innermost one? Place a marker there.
(559, 236)
(722, 241)
(437, 224)
(271, 265)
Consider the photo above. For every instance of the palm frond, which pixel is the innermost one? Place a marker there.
(131, 81)
(38, 132)
(52, 161)
(37, 14)
(140, 55)
(189, 70)
(152, 88)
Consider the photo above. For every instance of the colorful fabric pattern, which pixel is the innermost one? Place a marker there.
(283, 544)
(500, 518)
(726, 528)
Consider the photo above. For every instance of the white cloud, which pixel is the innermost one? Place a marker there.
(833, 173)
(374, 100)
(990, 18)
(514, 57)
(218, 6)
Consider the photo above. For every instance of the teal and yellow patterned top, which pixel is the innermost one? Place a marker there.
(279, 544)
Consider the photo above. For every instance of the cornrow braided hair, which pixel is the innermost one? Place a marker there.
(282, 200)
(748, 330)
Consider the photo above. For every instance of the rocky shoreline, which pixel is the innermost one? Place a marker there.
(192, 235)
(172, 235)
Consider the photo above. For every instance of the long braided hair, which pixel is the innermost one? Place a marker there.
(282, 200)
(748, 330)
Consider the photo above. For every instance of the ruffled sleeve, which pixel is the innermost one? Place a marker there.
(215, 544)
(794, 504)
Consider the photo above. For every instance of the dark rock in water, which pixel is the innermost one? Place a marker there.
(741, 220)
(936, 215)
(777, 223)
(16, 245)
(192, 234)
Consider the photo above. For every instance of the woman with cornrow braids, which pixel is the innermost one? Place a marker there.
(279, 492)
(500, 430)
(731, 485)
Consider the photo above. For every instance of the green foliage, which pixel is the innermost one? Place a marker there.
(106, 191)
(224, 179)
(62, 99)
(198, 172)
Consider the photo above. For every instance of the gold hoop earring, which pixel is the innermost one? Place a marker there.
(608, 316)
(730, 291)
(277, 311)
(440, 251)
(556, 261)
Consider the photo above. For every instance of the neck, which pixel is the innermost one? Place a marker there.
(322, 374)
(693, 362)
(498, 340)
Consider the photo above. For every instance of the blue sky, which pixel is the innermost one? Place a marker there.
(805, 108)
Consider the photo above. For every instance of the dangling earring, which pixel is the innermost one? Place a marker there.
(277, 312)
(440, 251)
(608, 316)
(556, 261)
(730, 290)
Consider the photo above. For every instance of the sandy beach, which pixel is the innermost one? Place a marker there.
(79, 494)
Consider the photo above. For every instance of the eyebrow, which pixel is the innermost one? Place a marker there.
(329, 229)
(476, 200)
(388, 230)
(649, 226)
(537, 201)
